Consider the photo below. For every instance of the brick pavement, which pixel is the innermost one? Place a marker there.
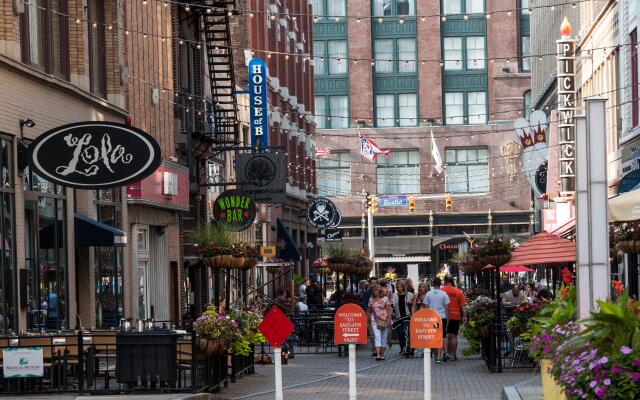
(324, 376)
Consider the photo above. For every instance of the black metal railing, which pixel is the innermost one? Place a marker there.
(502, 351)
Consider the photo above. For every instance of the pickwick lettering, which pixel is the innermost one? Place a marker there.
(566, 112)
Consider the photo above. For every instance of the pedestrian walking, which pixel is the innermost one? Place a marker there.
(438, 301)
(402, 301)
(456, 316)
(410, 288)
(379, 313)
(364, 302)
(418, 299)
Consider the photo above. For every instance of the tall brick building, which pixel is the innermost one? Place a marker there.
(397, 70)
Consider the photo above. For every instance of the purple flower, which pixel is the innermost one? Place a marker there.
(593, 384)
(607, 382)
(603, 360)
(626, 350)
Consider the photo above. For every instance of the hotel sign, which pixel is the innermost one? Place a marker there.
(258, 103)
(566, 112)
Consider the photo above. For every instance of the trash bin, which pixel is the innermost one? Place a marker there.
(146, 357)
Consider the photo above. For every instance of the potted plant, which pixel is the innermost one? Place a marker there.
(321, 266)
(245, 330)
(494, 251)
(468, 263)
(215, 333)
(626, 237)
(214, 245)
(338, 259)
(480, 314)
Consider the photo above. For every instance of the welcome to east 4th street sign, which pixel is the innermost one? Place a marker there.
(94, 155)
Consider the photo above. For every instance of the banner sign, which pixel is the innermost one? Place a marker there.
(350, 322)
(262, 176)
(22, 362)
(235, 210)
(392, 201)
(333, 235)
(425, 329)
(94, 155)
(258, 103)
(321, 212)
(566, 108)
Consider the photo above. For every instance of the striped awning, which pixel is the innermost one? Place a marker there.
(544, 248)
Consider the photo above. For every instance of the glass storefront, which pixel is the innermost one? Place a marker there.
(8, 296)
(108, 264)
(45, 253)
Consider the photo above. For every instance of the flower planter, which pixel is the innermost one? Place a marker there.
(322, 269)
(238, 262)
(211, 347)
(497, 260)
(220, 261)
(629, 246)
(484, 331)
(340, 267)
(550, 389)
(273, 269)
(249, 262)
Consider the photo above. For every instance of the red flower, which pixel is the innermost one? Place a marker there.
(617, 287)
(567, 277)
(564, 292)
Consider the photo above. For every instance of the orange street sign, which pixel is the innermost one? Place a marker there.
(268, 251)
(425, 330)
(350, 325)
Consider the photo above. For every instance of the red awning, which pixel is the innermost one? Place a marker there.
(564, 228)
(544, 248)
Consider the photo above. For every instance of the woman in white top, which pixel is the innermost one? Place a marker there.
(402, 302)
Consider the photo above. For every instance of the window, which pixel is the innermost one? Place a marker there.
(467, 170)
(474, 6)
(525, 48)
(339, 111)
(475, 52)
(332, 112)
(408, 108)
(45, 37)
(318, 57)
(524, 7)
(337, 53)
(336, 8)
(385, 110)
(97, 52)
(333, 53)
(383, 49)
(451, 6)
(454, 108)
(321, 112)
(635, 110)
(395, 55)
(477, 107)
(526, 103)
(382, 8)
(399, 172)
(452, 53)
(318, 7)
(406, 55)
(8, 307)
(334, 174)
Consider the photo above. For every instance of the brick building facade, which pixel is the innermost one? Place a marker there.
(73, 61)
(398, 70)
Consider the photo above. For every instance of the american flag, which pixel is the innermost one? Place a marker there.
(323, 152)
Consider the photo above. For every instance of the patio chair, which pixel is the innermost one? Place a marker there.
(185, 356)
(519, 352)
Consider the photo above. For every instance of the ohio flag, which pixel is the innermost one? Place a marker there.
(369, 148)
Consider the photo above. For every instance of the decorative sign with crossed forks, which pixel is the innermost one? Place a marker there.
(321, 212)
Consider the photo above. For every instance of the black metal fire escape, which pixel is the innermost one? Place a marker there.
(217, 31)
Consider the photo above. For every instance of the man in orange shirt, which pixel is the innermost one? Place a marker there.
(456, 314)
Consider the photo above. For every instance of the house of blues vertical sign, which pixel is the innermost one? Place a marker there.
(258, 103)
(566, 107)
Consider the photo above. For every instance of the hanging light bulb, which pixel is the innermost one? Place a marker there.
(444, 18)
(187, 8)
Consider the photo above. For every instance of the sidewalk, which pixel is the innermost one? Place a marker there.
(324, 377)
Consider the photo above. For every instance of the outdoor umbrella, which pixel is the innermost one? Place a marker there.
(510, 268)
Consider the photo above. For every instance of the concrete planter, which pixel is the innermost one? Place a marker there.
(550, 389)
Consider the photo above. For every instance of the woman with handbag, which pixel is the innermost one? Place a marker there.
(402, 301)
(379, 313)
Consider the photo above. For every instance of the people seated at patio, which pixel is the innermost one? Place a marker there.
(513, 298)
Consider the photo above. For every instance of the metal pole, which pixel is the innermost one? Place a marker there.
(427, 374)
(277, 361)
(372, 250)
(353, 391)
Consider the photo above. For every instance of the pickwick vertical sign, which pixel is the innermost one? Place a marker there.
(566, 107)
(258, 104)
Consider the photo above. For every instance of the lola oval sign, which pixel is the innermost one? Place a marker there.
(93, 155)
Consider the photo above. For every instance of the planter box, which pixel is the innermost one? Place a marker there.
(550, 389)
(146, 357)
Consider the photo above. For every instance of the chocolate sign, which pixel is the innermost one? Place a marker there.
(94, 155)
(235, 210)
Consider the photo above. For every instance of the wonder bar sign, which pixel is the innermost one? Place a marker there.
(566, 107)
(258, 103)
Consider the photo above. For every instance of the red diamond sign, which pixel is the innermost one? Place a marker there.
(276, 327)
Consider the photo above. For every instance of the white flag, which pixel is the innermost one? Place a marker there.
(435, 153)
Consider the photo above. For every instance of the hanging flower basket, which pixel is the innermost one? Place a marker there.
(322, 269)
(211, 347)
(497, 260)
(249, 262)
(340, 267)
(238, 263)
(484, 331)
(274, 269)
(629, 246)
